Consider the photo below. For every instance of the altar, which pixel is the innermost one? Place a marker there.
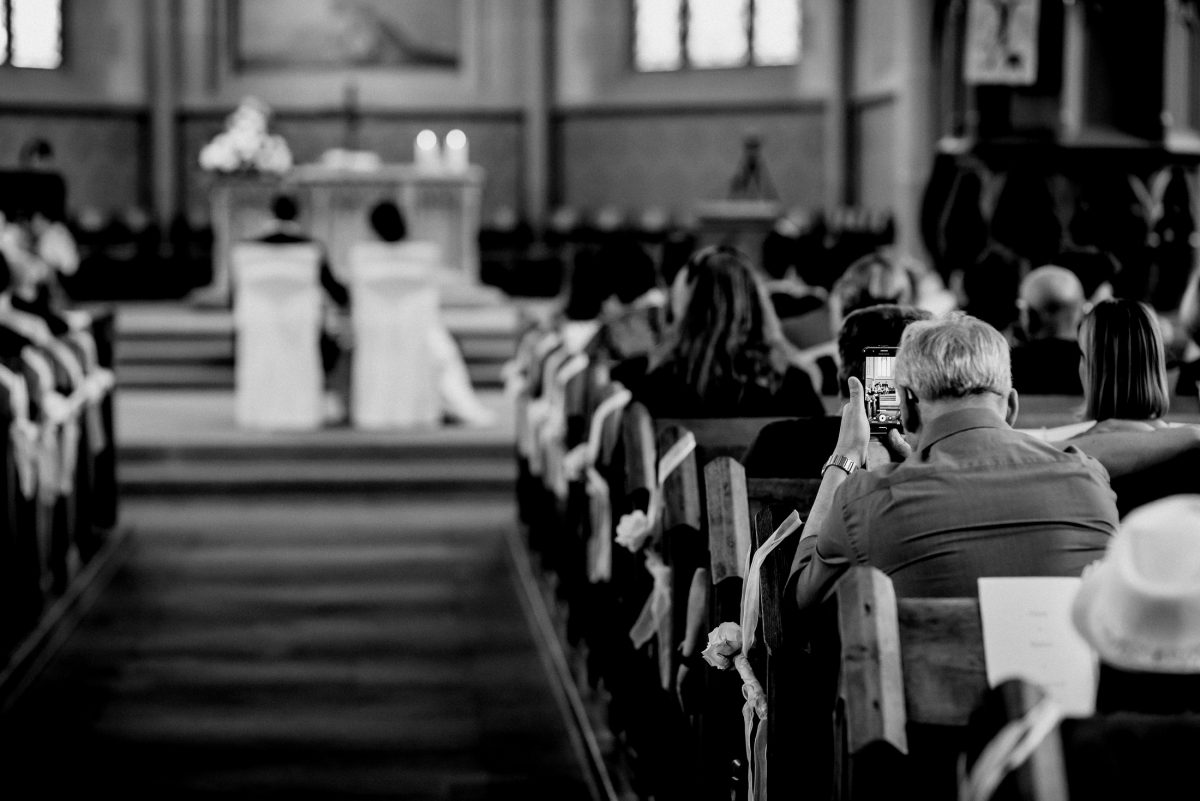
(440, 206)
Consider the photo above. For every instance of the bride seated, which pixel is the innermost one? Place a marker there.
(455, 397)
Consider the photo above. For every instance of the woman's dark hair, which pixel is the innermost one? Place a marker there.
(632, 270)
(387, 221)
(587, 288)
(727, 336)
(1124, 362)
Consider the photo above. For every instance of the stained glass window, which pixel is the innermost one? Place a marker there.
(709, 34)
(31, 34)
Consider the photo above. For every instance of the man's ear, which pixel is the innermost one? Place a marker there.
(1013, 407)
(910, 411)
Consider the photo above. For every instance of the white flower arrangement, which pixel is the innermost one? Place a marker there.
(245, 145)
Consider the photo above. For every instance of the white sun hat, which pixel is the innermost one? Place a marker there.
(1139, 607)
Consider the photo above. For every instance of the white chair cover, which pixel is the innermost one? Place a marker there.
(394, 373)
(277, 316)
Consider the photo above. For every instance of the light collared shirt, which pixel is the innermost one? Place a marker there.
(975, 499)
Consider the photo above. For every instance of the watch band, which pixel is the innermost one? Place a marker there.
(841, 462)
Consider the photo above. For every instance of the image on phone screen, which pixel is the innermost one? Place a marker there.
(879, 384)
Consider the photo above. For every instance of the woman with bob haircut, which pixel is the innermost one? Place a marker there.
(724, 354)
(1124, 367)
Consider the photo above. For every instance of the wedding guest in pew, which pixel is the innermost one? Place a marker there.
(724, 355)
(1137, 608)
(881, 277)
(797, 448)
(972, 497)
(634, 316)
(1046, 360)
(1124, 373)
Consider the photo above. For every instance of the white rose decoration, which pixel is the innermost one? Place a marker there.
(724, 643)
(633, 529)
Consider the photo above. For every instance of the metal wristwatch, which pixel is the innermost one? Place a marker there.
(841, 462)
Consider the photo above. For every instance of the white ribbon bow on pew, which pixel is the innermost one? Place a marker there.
(1008, 750)
(635, 527)
(55, 409)
(22, 432)
(655, 617)
(554, 430)
(580, 462)
(733, 641)
(532, 415)
(540, 413)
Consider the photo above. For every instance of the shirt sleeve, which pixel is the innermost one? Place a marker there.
(820, 560)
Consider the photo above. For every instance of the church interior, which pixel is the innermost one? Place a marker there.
(417, 399)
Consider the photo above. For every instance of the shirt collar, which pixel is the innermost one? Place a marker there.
(952, 423)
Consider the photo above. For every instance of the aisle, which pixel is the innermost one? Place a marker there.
(311, 647)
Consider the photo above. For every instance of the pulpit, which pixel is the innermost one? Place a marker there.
(441, 206)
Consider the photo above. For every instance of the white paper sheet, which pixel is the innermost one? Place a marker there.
(1027, 633)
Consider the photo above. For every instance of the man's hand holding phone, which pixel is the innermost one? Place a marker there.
(856, 430)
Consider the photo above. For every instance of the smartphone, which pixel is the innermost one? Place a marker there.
(882, 397)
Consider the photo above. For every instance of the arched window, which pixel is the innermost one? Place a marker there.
(31, 34)
(712, 34)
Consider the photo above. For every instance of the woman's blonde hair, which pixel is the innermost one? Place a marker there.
(1124, 362)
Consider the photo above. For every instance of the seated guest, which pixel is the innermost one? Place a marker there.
(973, 498)
(286, 230)
(880, 277)
(988, 289)
(30, 277)
(1138, 608)
(797, 448)
(1125, 392)
(1123, 366)
(724, 355)
(1046, 362)
(459, 401)
(634, 315)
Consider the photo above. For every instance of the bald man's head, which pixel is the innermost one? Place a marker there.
(1051, 302)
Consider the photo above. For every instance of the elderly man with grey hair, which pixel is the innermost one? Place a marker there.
(971, 497)
(1051, 304)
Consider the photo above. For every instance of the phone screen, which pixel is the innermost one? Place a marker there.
(882, 398)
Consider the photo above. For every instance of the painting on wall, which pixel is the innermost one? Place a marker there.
(340, 34)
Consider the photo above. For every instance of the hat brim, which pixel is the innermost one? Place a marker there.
(1096, 613)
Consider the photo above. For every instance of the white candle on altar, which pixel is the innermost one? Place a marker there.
(426, 155)
(457, 157)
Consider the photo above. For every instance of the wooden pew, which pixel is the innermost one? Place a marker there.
(718, 436)
(910, 673)
(743, 513)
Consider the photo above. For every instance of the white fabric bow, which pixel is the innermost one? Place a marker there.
(731, 642)
(655, 616)
(634, 528)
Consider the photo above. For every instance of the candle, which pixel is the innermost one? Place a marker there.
(425, 152)
(457, 158)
